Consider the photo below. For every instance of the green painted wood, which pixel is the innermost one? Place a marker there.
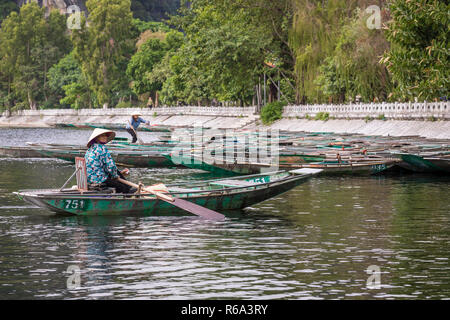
(213, 197)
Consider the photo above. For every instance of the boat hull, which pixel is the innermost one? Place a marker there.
(420, 164)
(20, 152)
(133, 160)
(217, 200)
(362, 168)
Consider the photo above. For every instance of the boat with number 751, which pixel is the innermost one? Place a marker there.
(218, 194)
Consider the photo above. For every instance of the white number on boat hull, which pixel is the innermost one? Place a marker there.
(379, 167)
(74, 204)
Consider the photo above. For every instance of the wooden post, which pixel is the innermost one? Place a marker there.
(279, 89)
(264, 89)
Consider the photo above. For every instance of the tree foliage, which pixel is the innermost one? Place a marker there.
(218, 51)
(6, 7)
(154, 10)
(221, 58)
(30, 45)
(272, 112)
(148, 55)
(353, 68)
(419, 59)
(104, 47)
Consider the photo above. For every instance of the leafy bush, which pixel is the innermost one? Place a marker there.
(272, 112)
(367, 119)
(324, 116)
(124, 104)
(51, 103)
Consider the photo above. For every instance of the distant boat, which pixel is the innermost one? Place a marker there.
(328, 167)
(141, 159)
(431, 164)
(19, 152)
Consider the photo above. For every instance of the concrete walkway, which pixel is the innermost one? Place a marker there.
(426, 120)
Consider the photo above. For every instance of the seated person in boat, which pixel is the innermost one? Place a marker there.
(100, 166)
(134, 123)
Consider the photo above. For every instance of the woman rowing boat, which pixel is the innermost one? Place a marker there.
(100, 166)
(134, 123)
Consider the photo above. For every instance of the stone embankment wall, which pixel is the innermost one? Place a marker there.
(430, 120)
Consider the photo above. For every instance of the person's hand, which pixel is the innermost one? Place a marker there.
(125, 171)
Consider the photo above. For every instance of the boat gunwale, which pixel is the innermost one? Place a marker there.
(198, 193)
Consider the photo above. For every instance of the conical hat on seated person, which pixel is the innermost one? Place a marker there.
(136, 113)
(98, 132)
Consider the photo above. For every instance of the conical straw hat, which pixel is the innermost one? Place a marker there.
(98, 132)
(136, 113)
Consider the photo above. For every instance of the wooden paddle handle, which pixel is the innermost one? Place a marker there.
(158, 194)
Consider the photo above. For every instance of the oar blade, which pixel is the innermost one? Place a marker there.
(197, 210)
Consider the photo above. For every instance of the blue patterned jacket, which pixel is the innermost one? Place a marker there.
(99, 164)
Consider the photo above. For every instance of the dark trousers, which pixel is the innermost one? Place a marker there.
(119, 186)
(133, 134)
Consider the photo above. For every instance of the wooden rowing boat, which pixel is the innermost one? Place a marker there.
(19, 152)
(328, 167)
(218, 194)
(128, 158)
(430, 164)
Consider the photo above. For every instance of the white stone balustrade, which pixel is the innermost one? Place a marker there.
(400, 111)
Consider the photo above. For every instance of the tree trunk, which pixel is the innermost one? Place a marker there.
(45, 81)
(273, 92)
(31, 102)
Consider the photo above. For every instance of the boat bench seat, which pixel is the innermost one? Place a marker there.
(178, 189)
(232, 183)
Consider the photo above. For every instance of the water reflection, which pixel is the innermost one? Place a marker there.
(314, 242)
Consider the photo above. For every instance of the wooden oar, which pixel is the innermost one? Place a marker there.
(177, 202)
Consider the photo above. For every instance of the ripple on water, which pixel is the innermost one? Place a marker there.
(314, 242)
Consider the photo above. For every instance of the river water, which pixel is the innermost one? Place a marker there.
(316, 241)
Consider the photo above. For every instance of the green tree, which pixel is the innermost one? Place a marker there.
(154, 10)
(353, 68)
(222, 57)
(419, 59)
(78, 95)
(148, 55)
(273, 20)
(31, 44)
(68, 84)
(8, 59)
(315, 29)
(104, 47)
(6, 7)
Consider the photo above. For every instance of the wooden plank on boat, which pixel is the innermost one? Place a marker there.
(80, 165)
(306, 171)
(233, 183)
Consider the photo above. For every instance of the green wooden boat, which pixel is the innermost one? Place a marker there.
(192, 163)
(417, 163)
(19, 152)
(328, 167)
(133, 159)
(443, 164)
(218, 194)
